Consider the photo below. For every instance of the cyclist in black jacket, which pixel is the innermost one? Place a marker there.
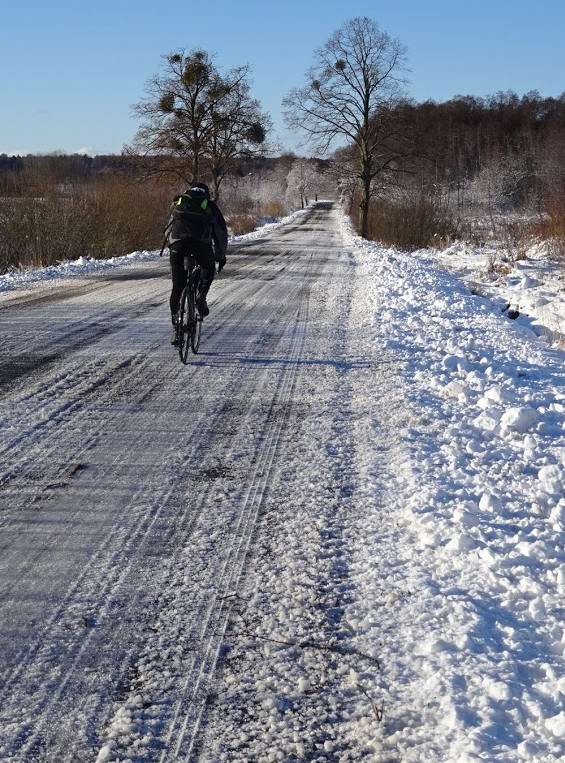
(207, 241)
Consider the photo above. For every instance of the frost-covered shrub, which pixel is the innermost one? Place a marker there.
(411, 222)
(255, 193)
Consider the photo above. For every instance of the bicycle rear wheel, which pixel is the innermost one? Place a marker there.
(195, 338)
(197, 324)
(184, 324)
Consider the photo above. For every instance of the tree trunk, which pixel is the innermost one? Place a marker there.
(216, 182)
(366, 200)
(365, 209)
(196, 163)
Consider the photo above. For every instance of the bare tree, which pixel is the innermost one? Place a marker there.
(196, 120)
(351, 91)
(177, 113)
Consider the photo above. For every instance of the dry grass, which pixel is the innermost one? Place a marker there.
(411, 224)
(273, 209)
(552, 227)
(108, 216)
(516, 237)
(101, 219)
(241, 223)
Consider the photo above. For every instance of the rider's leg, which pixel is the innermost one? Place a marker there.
(204, 255)
(178, 273)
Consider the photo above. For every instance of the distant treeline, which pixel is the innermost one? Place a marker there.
(449, 162)
(465, 135)
(25, 175)
(504, 146)
(501, 152)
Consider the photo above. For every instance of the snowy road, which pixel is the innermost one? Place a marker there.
(335, 536)
(130, 486)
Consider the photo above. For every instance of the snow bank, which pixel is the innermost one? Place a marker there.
(16, 279)
(474, 648)
(532, 287)
(268, 227)
(29, 277)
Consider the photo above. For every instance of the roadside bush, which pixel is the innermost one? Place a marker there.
(48, 217)
(552, 226)
(107, 217)
(236, 204)
(411, 223)
(273, 209)
(240, 224)
(516, 238)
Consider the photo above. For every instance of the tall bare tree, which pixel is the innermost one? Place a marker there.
(197, 120)
(351, 90)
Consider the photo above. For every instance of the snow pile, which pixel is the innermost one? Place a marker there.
(532, 287)
(15, 279)
(474, 655)
(23, 279)
(263, 230)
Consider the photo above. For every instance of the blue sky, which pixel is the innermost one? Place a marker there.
(69, 71)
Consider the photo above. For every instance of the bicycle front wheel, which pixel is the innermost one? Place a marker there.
(195, 341)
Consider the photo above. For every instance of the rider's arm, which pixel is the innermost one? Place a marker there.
(220, 230)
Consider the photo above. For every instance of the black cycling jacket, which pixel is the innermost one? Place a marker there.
(219, 231)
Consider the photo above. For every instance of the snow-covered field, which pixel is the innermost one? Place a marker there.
(533, 287)
(336, 536)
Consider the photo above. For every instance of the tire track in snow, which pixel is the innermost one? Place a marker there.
(37, 449)
(205, 612)
(186, 735)
(272, 314)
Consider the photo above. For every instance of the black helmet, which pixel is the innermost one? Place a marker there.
(201, 187)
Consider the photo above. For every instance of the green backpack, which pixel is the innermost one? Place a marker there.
(192, 216)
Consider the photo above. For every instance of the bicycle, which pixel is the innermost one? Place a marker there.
(189, 322)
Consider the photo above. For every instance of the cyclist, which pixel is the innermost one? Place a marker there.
(196, 226)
